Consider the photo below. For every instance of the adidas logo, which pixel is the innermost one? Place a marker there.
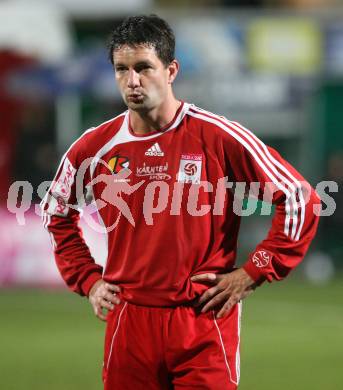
(155, 150)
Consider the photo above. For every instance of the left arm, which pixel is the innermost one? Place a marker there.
(293, 227)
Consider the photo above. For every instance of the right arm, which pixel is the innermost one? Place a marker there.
(72, 255)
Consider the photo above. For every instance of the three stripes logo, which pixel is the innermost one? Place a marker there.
(155, 150)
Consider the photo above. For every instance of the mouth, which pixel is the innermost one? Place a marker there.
(135, 96)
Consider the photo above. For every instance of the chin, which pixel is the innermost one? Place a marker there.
(140, 107)
(136, 106)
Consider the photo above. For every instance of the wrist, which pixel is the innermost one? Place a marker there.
(90, 282)
(253, 273)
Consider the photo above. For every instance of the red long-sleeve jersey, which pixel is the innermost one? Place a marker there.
(169, 206)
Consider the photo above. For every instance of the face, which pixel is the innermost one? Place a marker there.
(143, 80)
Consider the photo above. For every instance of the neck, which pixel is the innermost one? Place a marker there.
(155, 119)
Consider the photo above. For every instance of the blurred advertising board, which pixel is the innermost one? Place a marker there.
(209, 45)
(26, 256)
(285, 45)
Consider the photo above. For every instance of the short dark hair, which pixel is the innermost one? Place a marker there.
(148, 30)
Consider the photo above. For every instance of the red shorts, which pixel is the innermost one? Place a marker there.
(171, 348)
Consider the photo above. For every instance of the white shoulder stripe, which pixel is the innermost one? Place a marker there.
(267, 159)
(287, 172)
(257, 159)
(250, 144)
(298, 188)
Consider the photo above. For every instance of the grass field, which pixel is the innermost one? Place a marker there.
(292, 338)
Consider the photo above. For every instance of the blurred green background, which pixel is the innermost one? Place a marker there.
(292, 338)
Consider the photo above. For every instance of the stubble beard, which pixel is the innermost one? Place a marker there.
(141, 107)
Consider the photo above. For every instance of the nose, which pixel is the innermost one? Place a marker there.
(133, 80)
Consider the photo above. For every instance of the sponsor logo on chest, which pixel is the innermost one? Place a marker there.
(156, 172)
(190, 168)
(118, 165)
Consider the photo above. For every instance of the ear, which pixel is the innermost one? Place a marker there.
(173, 69)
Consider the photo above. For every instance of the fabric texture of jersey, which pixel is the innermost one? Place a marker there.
(168, 201)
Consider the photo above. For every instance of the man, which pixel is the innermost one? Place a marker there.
(161, 175)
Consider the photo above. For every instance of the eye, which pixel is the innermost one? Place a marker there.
(143, 67)
(120, 68)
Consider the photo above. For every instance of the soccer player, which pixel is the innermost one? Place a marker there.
(164, 176)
